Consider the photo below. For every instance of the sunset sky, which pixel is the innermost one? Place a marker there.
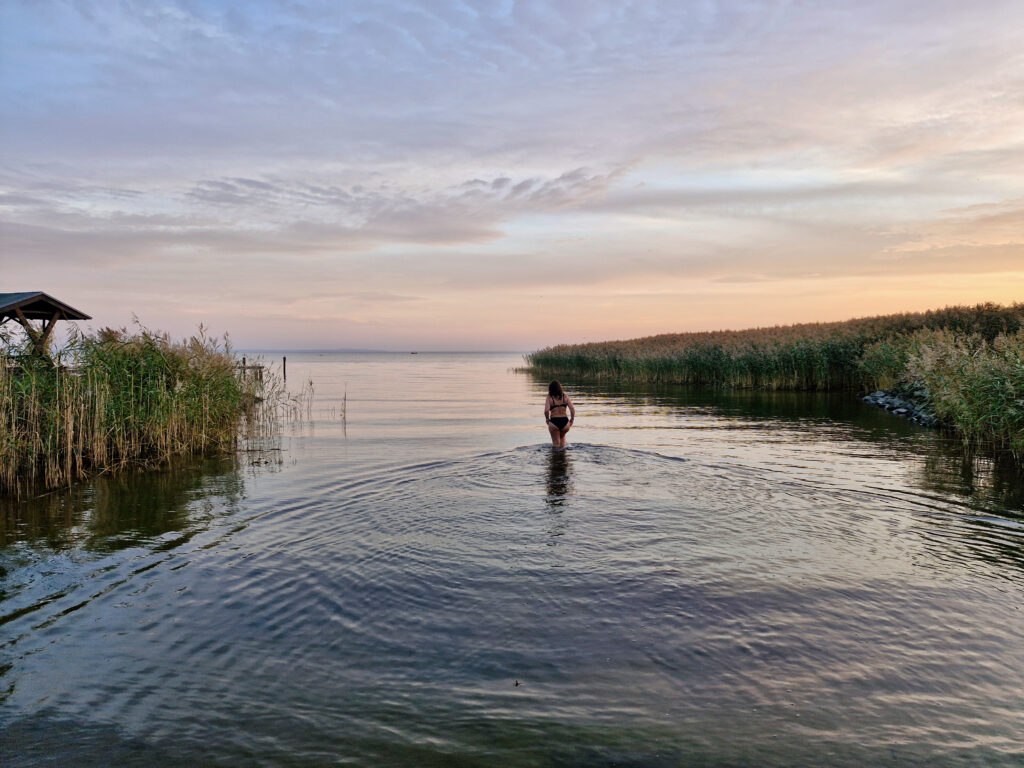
(435, 174)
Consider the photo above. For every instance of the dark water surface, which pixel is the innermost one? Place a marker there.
(700, 579)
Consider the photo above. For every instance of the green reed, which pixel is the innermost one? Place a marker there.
(975, 385)
(807, 356)
(118, 398)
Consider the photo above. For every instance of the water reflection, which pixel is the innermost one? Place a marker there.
(748, 403)
(61, 550)
(559, 481)
(559, 488)
(993, 481)
(792, 594)
(111, 512)
(937, 462)
(986, 492)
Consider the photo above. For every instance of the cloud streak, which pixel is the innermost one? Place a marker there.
(410, 158)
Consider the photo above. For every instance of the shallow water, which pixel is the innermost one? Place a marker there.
(699, 579)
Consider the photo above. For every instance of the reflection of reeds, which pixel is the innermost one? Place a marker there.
(120, 398)
(338, 412)
(964, 361)
(118, 509)
(990, 480)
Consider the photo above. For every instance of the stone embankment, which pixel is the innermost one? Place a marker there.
(913, 410)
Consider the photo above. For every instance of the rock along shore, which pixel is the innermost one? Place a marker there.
(913, 410)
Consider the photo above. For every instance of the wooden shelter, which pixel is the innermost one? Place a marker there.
(24, 308)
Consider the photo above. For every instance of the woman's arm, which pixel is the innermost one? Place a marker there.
(572, 409)
(547, 408)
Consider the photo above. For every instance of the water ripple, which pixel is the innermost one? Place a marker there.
(601, 605)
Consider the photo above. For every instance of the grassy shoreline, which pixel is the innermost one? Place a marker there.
(966, 363)
(117, 398)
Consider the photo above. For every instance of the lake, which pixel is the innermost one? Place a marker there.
(700, 578)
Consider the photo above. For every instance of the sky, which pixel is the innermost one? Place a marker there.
(508, 175)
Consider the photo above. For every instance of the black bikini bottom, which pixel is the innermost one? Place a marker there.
(560, 421)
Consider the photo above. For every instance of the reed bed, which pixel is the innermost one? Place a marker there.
(964, 362)
(118, 398)
(808, 356)
(975, 386)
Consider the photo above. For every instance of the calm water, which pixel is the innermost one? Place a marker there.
(700, 579)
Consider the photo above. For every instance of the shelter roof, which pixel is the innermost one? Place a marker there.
(36, 305)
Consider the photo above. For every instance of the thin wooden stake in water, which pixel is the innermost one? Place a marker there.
(284, 367)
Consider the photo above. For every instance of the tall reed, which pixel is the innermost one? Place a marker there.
(976, 386)
(810, 356)
(118, 398)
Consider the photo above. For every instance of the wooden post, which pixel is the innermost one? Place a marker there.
(28, 327)
(284, 367)
(41, 337)
(48, 328)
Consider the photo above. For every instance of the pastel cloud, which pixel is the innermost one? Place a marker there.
(404, 171)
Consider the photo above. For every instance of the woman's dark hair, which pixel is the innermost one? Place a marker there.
(555, 390)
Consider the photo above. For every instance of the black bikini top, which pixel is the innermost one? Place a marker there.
(563, 404)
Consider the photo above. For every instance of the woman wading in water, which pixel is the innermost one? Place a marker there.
(556, 405)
